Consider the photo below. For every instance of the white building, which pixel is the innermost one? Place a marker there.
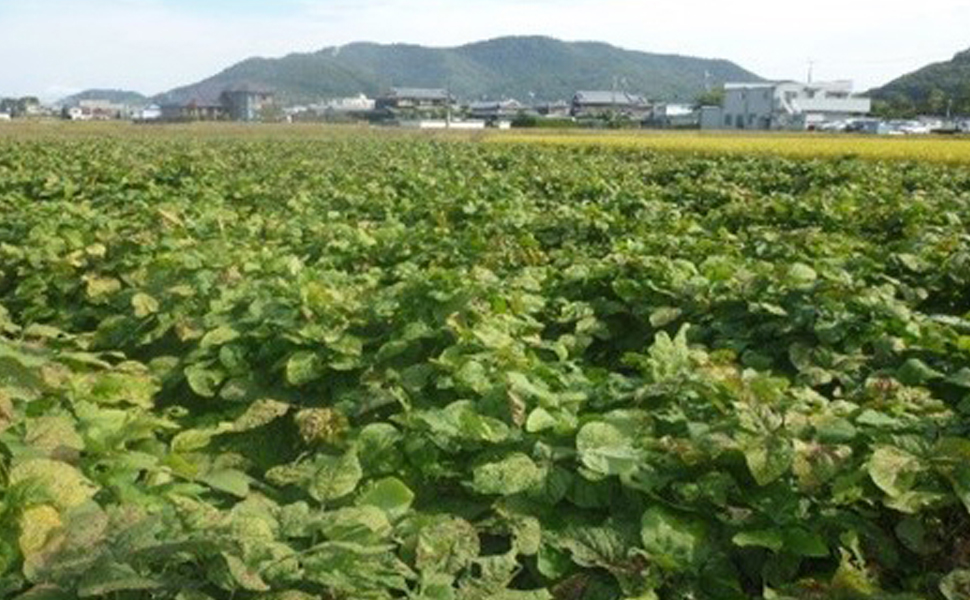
(152, 112)
(785, 105)
(359, 103)
(673, 116)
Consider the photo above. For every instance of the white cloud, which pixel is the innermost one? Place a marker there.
(153, 45)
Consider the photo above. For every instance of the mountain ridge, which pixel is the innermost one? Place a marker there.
(936, 88)
(116, 96)
(523, 67)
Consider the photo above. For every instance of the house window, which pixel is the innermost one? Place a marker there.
(727, 120)
(739, 123)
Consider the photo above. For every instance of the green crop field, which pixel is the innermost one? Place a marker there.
(256, 365)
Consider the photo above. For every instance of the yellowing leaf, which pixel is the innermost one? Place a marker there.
(259, 413)
(514, 474)
(65, 484)
(36, 528)
(219, 336)
(99, 287)
(144, 305)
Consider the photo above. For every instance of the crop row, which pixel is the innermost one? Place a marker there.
(439, 370)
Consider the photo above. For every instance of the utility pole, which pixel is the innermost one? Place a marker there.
(614, 93)
(448, 105)
(811, 70)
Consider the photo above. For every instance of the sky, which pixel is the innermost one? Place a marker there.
(51, 48)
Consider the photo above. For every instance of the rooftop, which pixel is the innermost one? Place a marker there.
(607, 97)
(420, 93)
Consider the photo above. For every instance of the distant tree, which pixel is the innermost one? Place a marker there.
(961, 101)
(271, 113)
(712, 97)
(936, 102)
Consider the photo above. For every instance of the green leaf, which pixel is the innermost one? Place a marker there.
(540, 420)
(597, 547)
(376, 446)
(231, 481)
(916, 372)
(960, 480)
(335, 477)
(801, 275)
(834, 430)
(804, 543)
(674, 543)
(512, 475)
(913, 534)
(961, 378)
(664, 316)
(769, 458)
(893, 470)
(915, 502)
(390, 495)
(110, 578)
(303, 368)
(204, 382)
(46, 592)
(603, 448)
(771, 539)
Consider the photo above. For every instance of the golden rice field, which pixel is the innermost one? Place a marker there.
(937, 149)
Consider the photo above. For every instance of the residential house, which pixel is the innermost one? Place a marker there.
(557, 109)
(495, 110)
(605, 103)
(246, 102)
(415, 99)
(785, 105)
(197, 108)
(101, 110)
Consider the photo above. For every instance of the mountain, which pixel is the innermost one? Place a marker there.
(931, 90)
(517, 67)
(114, 96)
